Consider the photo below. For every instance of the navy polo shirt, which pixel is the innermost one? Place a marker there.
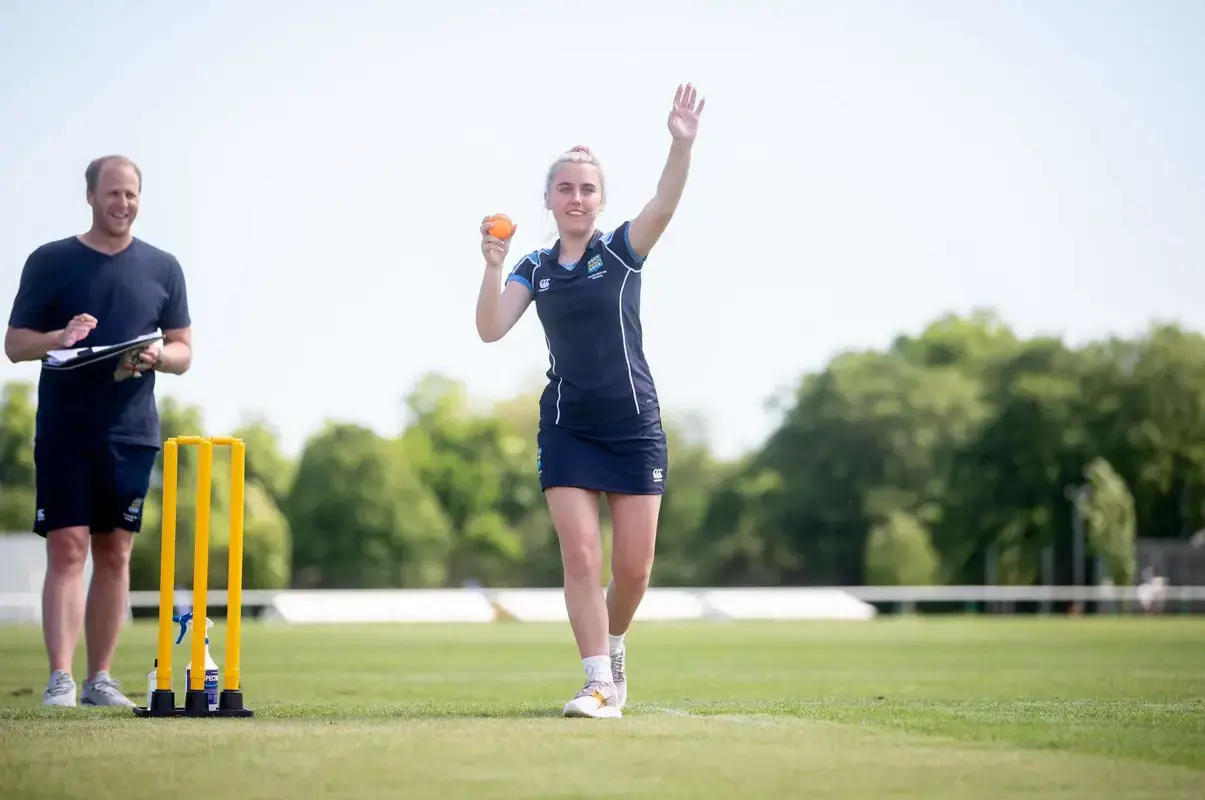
(590, 311)
(137, 291)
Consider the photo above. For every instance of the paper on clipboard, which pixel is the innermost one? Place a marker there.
(81, 356)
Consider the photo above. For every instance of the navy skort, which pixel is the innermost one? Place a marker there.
(629, 456)
(98, 485)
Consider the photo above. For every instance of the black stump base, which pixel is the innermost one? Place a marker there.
(162, 703)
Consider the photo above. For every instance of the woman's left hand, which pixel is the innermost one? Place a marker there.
(684, 116)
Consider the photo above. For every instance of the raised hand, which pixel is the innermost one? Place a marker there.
(493, 248)
(78, 328)
(684, 116)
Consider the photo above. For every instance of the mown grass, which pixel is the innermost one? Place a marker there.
(933, 708)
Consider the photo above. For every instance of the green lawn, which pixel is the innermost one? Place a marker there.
(952, 708)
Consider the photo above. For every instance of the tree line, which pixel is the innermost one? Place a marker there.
(922, 462)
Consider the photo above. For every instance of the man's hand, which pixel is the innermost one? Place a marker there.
(136, 362)
(148, 357)
(78, 328)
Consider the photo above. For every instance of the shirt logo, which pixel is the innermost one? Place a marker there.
(594, 265)
(544, 283)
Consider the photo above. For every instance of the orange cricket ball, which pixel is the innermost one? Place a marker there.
(501, 226)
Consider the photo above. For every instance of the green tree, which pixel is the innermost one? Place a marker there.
(899, 552)
(360, 517)
(267, 465)
(1147, 418)
(480, 463)
(871, 434)
(685, 557)
(17, 495)
(1012, 477)
(1108, 513)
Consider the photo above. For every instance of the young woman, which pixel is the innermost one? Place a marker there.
(600, 423)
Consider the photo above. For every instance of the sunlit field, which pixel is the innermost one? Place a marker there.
(950, 708)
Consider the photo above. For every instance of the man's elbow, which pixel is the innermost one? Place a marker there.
(177, 366)
(12, 348)
(175, 358)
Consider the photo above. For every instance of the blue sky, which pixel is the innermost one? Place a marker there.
(320, 170)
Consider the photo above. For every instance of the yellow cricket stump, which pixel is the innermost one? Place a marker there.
(162, 702)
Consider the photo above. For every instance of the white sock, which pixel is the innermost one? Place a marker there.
(598, 668)
(615, 642)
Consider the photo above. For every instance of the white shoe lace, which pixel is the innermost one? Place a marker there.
(106, 685)
(617, 673)
(591, 687)
(60, 683)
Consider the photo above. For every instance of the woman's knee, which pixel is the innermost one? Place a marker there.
(634, 521)
(631, 573)
(582, 561)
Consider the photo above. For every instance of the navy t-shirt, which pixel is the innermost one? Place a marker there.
(590, 311)
(137, 291)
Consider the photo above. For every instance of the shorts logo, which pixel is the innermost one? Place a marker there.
(539, 460)
(133, 512)
(658, 474)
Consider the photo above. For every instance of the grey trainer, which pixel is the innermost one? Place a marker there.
(103, 690)
(60, 691)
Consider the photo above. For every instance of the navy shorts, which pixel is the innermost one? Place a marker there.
(101, 486)
(625, 457)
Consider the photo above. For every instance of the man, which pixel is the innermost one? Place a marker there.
(97, 431)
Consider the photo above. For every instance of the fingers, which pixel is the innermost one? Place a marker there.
(494, 250)
(79, 326)
(487, 223)
(488, 241)
(686, 97)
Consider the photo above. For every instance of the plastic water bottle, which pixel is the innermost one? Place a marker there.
(152, 681)
(211, 667)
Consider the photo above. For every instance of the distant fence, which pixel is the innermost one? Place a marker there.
(22, 567)
(662, 604)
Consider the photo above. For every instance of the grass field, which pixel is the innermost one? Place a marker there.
(951, 708)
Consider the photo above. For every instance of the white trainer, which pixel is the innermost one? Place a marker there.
(102, 691)
(620, 676)
(596, 699)
(60, 691)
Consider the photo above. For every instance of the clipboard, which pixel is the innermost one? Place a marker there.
(83, 356)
